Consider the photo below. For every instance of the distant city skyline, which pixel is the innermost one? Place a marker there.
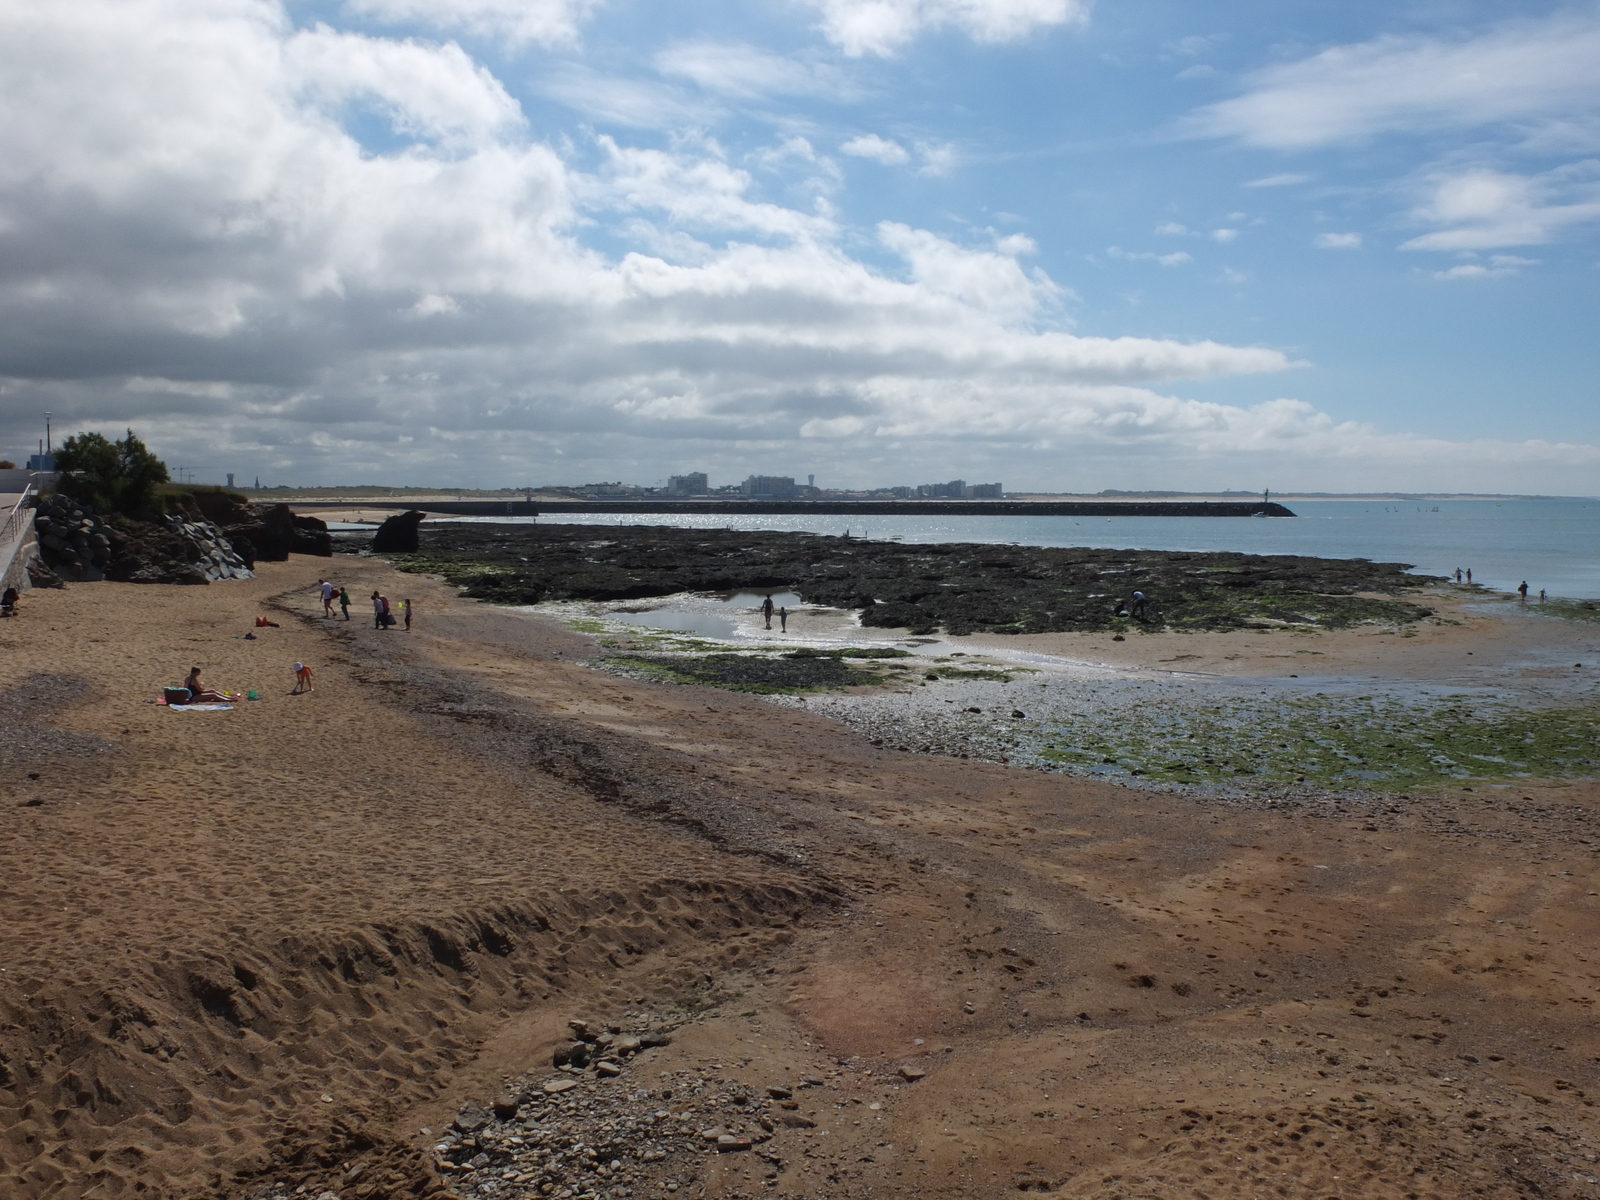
(1071, 246)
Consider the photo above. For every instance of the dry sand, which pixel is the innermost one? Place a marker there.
(276, 943)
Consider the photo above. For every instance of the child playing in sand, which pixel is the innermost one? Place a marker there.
(302, 679)
(405, 609)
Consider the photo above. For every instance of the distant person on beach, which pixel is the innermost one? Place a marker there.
(302, 679)
(1522, 590)
(380, 610)
(1137, 611)
(199, 693)
(344, 602)
(766, 611)
(1541, 595)
(327, 590)
(1469, 574)
(783, 620)
(8, 602)
(1458, 574)
(405, 608)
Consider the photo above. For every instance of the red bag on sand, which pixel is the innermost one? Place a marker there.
(262, 622)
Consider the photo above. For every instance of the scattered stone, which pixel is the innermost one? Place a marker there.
(471, 1118)
(728, 1142)
(506, 1104)
(968, 1009)
(779, 1093)
(555, 1087)
(607, 1069)
(794, 1120)
(912, 1074)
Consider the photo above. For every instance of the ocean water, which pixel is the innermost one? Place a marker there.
(1553, 544)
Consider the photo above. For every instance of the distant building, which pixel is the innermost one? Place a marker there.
(41, 462)
(768, 487)
(901, 493)
(693, 484)
(956, 489)
(985, 491)
(230, 478)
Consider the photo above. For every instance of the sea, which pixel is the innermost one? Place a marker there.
(1552, 543)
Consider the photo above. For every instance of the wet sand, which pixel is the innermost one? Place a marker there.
(279, 943)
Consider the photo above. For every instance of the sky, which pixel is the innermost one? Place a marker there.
(1062, 245)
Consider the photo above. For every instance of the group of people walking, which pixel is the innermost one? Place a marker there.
(383, 614)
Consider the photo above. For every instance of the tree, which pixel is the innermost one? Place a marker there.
(110, 476)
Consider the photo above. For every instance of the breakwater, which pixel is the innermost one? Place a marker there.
(863, 508)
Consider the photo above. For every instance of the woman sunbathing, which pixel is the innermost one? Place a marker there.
(199, 693)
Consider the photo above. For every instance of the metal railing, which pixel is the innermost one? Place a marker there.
(14, 519)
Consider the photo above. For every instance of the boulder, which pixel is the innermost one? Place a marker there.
(398, 535)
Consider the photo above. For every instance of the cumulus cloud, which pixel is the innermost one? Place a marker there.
(1484, 209)
(1338, 241)
(883, 26)
(879, 149)
(197, 244)
(548, 21)
(1527, 71)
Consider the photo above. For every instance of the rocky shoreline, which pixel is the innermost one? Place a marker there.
(960, 588)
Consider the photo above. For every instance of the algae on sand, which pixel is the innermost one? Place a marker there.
(747, 672)
(1368, 743)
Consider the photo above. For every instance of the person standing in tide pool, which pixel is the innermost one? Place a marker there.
(766, 611)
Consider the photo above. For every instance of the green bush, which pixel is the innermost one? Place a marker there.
(111, 477)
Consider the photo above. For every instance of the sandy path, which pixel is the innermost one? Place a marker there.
(394, 891)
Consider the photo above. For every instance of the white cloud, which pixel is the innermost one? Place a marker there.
(883, 26)
(638, 103)
(1176, 259)
(1338, 241)
(429, 91)
(1172, 228)
(879, 149)
(938, 158)
(748, 72)
(1484, 209)
(1499, 264)
(1287, 179)
(1526, 71)
(548, 21)
(1224, 235)
(199, 249)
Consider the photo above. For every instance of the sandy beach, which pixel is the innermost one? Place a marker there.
(275, 950)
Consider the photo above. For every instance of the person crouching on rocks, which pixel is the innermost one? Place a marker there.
(199, 693)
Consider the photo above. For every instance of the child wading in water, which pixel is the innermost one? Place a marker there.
(302, 679)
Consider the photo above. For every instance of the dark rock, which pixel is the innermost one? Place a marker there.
(40, 575)
(655, 1037)
(505, 1105)
(398, 535)
(796, 1120)
(779, 1093)
(472, 1118)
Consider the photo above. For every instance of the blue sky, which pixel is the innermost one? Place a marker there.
(1321, 246)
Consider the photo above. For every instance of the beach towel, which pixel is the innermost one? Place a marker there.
(199, 707)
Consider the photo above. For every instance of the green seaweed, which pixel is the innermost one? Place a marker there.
(1375, 744)
(1571, 610)
(748, 672)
